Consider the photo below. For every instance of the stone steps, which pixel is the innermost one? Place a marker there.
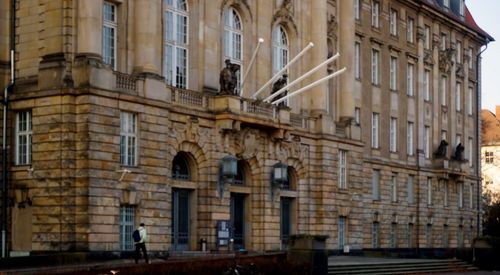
(402, 267)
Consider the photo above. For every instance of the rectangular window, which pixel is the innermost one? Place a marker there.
(409, 139)
(375, 132)
(109, 34)
(445, 192)
(23, 137)
(428, 235)
(429, 191)
(427, 85)
(375, 226)
(341, 232)
(458, 96)
(394, 134)
(445, 236)
(393, 73)
(442, 45)
(357, 9)
(442, 89)
(471, 196)
(459, 52)
(394, 235)
(460, 195)
(470, 101)
(409, 79)
(127, 225)
(427, 37)
(471, 58)
(128, 138)
(357, 60)
(375, 14)
(470, 144)
(376, 185)
(446, 3)
(488, 157)
(375, 64)
(394, 23)
(460, 236)
(342, 169)
(357, 115)
(427, 141)
(394, 187)
(409, 237)
(410, 189)
(409, 30)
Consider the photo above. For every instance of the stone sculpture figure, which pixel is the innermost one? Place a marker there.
(441, 151)
(228, 78)
(278, 85)
(459, 152)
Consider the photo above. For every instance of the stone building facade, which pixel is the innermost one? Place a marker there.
(116, 119)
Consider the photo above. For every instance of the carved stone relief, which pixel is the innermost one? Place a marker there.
(445, 60)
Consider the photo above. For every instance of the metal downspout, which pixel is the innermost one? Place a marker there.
(478, 134)
(5, 102)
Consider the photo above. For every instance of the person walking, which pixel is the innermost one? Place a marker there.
(141, 244)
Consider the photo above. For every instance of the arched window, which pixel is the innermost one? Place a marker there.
(175, 37)
(180, 167)
(233, 37)
(280, 48)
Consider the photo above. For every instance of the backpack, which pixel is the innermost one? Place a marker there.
(136, 236)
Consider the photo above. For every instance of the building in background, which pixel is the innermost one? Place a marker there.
(116, 119)
(490, 152)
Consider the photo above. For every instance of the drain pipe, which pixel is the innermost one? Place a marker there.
(478, 135)
(5, 103)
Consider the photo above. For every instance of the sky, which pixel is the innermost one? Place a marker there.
(486, 14)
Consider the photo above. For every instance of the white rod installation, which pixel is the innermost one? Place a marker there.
(310, 45)
(261, 40)
(269, 98)
(316, 83)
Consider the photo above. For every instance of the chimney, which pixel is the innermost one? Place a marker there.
(497, 111)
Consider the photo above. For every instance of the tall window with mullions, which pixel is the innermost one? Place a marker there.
(175, 37)
(127, 225)
(128, 141)
(233, 37)
(23, 138)
(109, 34)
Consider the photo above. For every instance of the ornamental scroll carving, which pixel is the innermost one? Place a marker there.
(285, 13)
(191, 133)
(247, 143)
(445, 60)
(292, 149)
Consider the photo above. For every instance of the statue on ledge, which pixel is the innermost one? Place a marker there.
(459, 152)
(228, 78)
(278, 85)
(441, 151)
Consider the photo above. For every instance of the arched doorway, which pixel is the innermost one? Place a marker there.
(183, 208)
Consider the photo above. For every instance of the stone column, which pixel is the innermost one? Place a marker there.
(316, 98)
(148, 36)
(345, 104)
(89, 34)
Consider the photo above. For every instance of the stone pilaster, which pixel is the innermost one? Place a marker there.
(315, 99)
(345, 105)
(147, 36)
(89, 31)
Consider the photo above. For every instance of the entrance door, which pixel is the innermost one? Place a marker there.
(180, 219)
(286, 221)
(238, 220)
